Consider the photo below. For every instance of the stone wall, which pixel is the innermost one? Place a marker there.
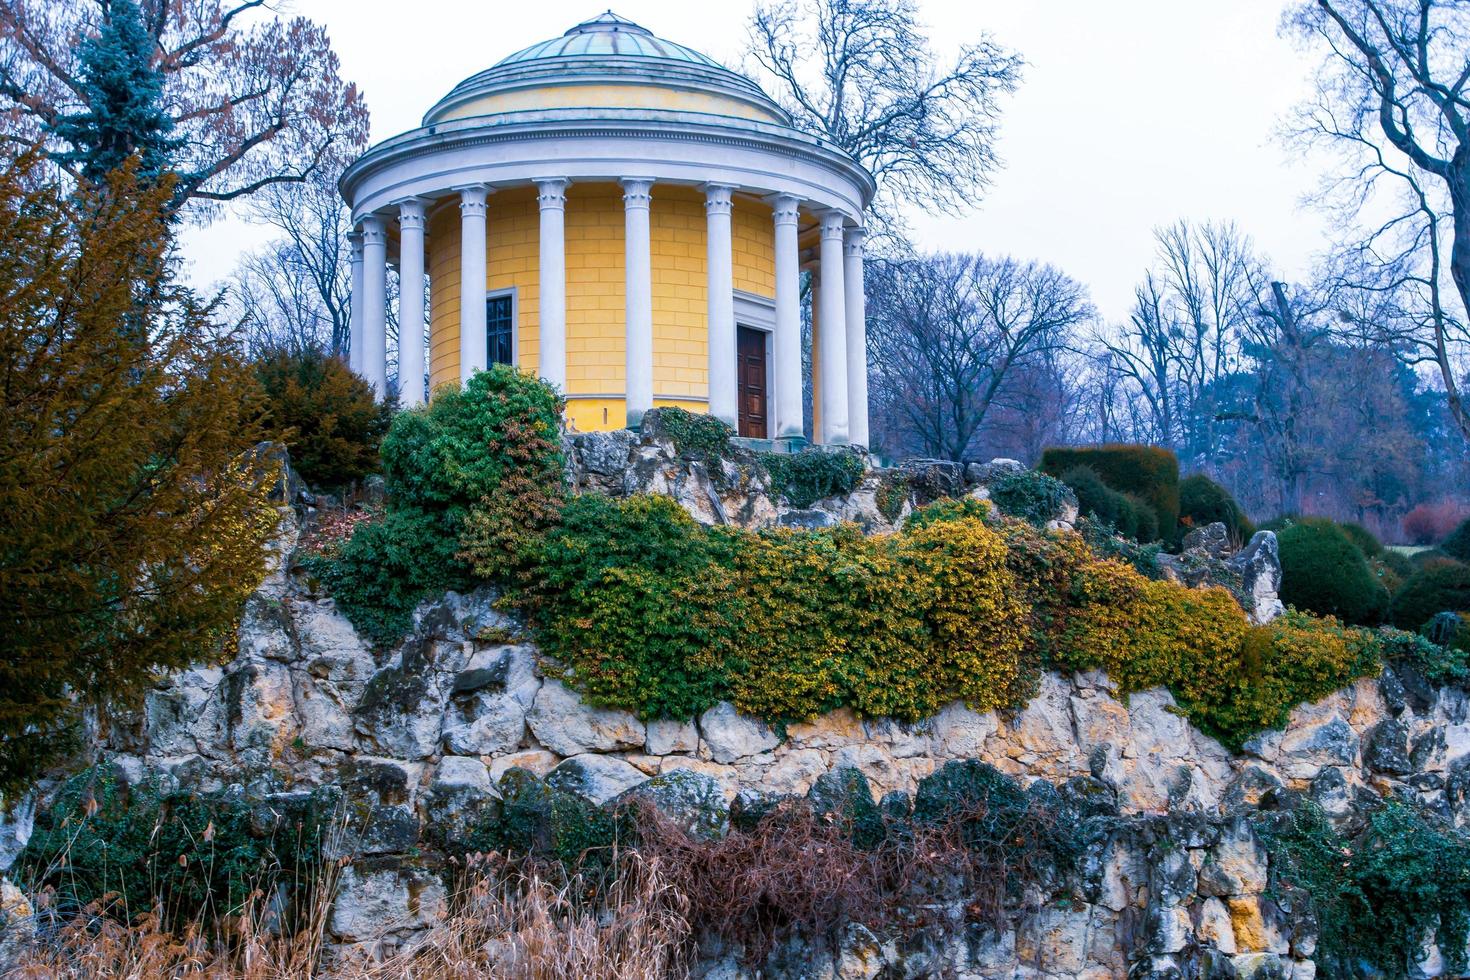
(1173, 881)
(1174, 878)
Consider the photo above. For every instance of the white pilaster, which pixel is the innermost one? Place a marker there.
(833, 328)
(411, 303)
(473, 353)
(354, 313)
(857, 338)
(551, 196)
(375, 304)
(720, 286)
(786, 345)
(637, 196)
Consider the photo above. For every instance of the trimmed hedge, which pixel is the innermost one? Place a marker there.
(1202, 501)
(1150, 472)
(1432, 590)
(1101, 502)
(1457, 545)
(1365, 539)
(1323, 571)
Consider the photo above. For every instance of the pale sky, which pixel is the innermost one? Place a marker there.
(1132, 114)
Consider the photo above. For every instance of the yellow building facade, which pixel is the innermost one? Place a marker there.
(626, 219)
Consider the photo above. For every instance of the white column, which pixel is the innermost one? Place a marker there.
(411, 303)
(553, 263)
(786, 345)
(473, 353)
(857, 338)
(639, 264)
(354, 322)
(375, 304)
(720, 286)
(833, 328)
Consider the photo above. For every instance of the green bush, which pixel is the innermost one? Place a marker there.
(1400, 564)
(1324, 572)
(448, 457)
(331, 420)
(1436, 589)
(1149, 471)
(1365, 539)
(472, 479)
(1438, 664)
(1029, 495)
(1202, 501)
(386, 568)
(813, 474)
(1095, 499)
(186, 854)
(1457, 545)
(1378, 894)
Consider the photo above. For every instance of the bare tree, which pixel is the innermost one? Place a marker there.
(1183, 338)
(1391, 96)
(862, 74)
(255, 100)
(296, 290)
(947, 333)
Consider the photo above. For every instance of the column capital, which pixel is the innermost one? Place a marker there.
(551, 192)
(354, 242)
(834, 222)
(411, 212)
(718, 198)
(637, 191)
(785, 208)
(374, 231)
(853, 245)
(472, 199)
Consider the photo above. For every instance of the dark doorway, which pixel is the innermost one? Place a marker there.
(751, 376)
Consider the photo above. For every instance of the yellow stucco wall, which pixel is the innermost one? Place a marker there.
(596, 356)
(659, 96)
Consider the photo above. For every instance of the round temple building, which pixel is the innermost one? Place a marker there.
(627, 219)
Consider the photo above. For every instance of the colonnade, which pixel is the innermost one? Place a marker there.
(840, 324)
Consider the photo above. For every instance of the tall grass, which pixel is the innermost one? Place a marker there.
(509, 921)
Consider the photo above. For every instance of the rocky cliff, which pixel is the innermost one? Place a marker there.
(1173, 880)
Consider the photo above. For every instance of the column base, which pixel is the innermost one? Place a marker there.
(790, 444)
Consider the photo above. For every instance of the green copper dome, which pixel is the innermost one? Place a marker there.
(608, 35)
(606, 50)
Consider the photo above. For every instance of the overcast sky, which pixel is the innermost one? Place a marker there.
(1132, 114)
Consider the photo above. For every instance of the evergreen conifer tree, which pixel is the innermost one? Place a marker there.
(123, 93)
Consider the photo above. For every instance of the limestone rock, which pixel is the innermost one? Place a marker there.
(17, 923)
(1259, 567)
(372, 903)
(1311, 747)
(692, 799)
(1236, 865)
(564, 724)
(667, 737)
(597, 778)
(1213, 540)
(729, 736)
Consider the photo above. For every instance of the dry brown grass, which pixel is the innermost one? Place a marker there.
(510, 922)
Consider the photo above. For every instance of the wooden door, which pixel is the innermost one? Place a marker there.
(751, 377)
